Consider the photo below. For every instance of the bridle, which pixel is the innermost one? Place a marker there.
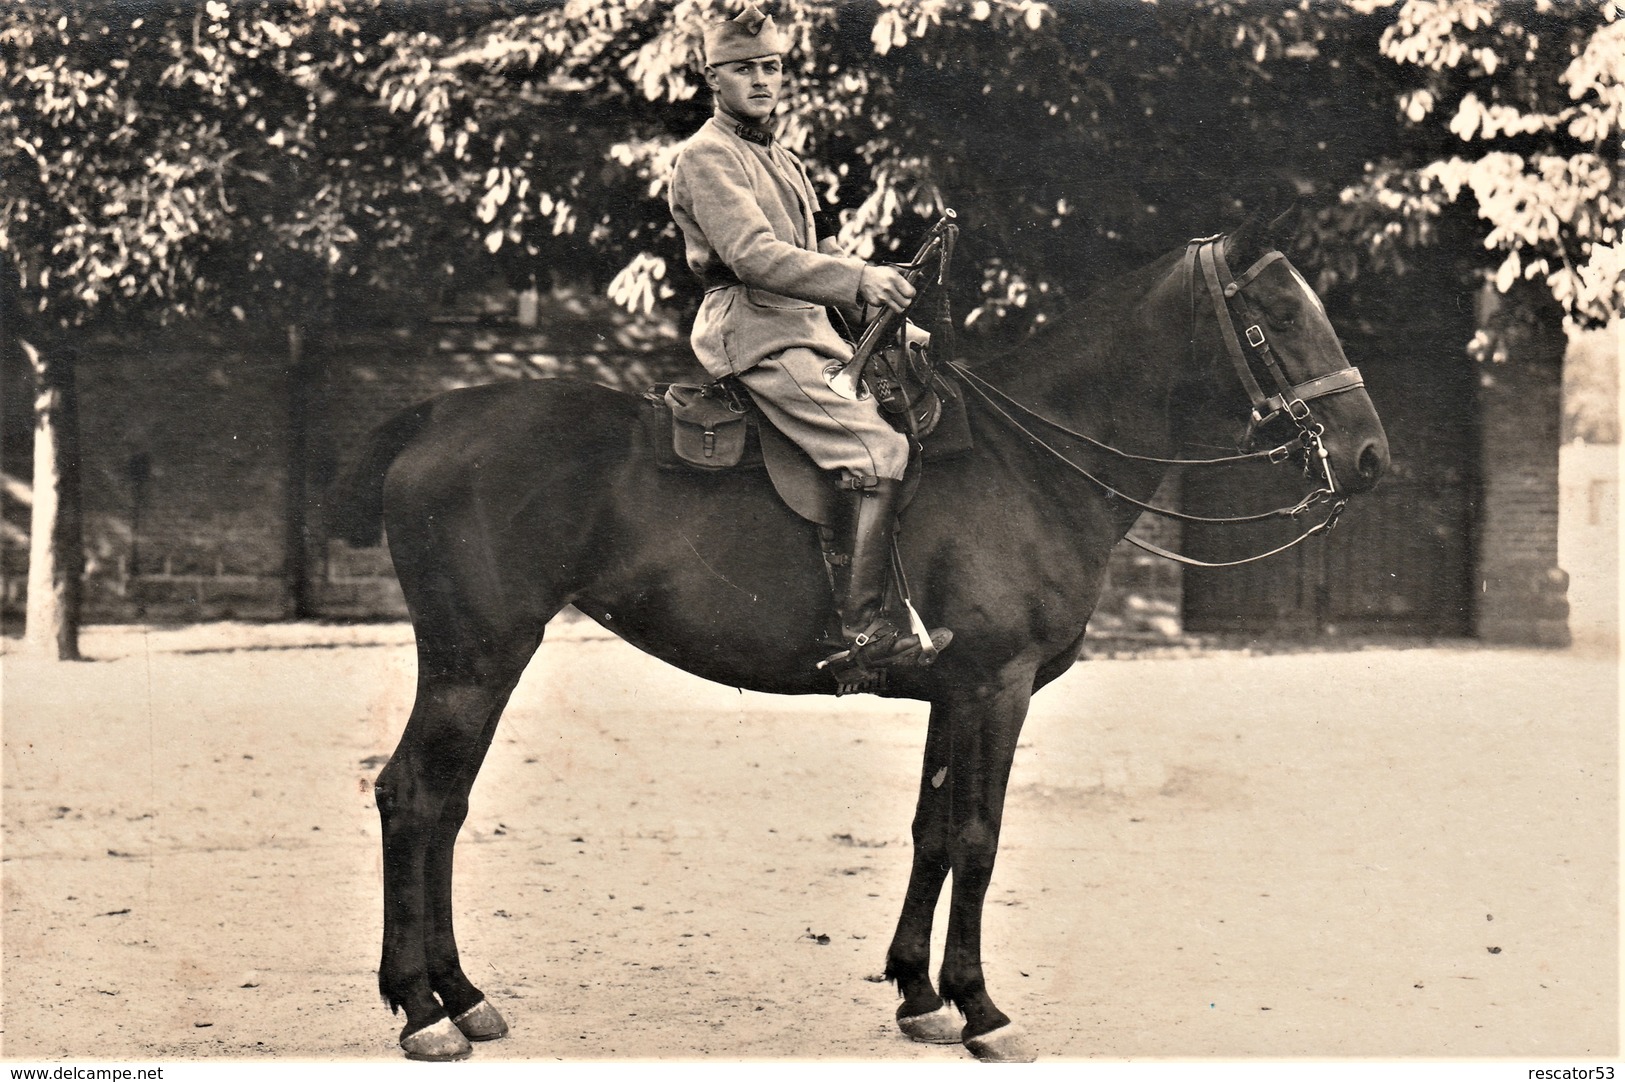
(1293, 399)
(1290, 402)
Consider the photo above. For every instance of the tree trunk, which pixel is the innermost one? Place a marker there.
(56, 554)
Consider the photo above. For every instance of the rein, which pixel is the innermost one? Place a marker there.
(989, 393)
(1291, 402)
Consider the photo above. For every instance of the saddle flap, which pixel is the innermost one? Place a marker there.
(805, 488)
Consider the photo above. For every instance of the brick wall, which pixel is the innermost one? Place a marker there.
(364, 387)
(1588, 540)
(182, 446)
(186, 443)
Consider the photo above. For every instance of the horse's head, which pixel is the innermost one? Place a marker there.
(1269, 332)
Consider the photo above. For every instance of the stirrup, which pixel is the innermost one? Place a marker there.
(886, 647)
(852, 672)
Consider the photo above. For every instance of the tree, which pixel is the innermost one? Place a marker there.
(281, 160)
(96, 211)
(165, 161)
(562, 126)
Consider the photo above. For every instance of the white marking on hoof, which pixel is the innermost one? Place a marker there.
(1007, 1044)
(941, 1026)
(437, 1043)
(481, 1022)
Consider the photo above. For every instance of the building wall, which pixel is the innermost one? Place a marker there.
(186, 444)
(364, 387)
(1401, 560)
(183, 446)
(1588, 541)
(183, 482)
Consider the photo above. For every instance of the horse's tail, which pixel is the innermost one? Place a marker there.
(358, 504)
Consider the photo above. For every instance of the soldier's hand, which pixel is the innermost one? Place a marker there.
(885, 286)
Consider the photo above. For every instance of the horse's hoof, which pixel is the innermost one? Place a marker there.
(481, 1022)
(1007, 1044)
(941, 1026)
(437, 1042)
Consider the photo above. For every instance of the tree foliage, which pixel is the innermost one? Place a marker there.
(1523, 100)
(165, 159)
(267, 152)
(296, 161)
(174, 158)
(1071, 138)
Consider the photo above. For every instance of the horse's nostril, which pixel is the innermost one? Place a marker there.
(1371, 463)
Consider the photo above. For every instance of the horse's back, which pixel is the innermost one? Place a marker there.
(525, 418)
(502, 492)
(498, 442)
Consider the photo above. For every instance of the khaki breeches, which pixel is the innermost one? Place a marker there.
(837, 433)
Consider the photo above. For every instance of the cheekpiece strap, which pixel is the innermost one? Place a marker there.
(1208, 257)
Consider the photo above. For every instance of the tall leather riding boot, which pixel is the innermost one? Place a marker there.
(868, 520)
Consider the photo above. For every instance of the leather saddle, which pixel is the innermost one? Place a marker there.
(714, 427)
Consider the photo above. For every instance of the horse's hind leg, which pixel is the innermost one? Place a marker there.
(477, 1019)
(923, 1015)
(422, 797)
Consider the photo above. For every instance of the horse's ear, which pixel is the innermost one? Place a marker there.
(1266, 228)
(1284, 226)
(1247, 241)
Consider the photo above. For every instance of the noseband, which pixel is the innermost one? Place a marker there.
(1291, 401)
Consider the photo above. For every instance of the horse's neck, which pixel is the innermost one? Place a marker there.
(1107, 373)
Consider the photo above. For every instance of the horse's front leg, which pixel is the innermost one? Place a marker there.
(923, 1015)
(983, 730)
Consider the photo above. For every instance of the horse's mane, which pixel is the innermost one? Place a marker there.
(1109, 296)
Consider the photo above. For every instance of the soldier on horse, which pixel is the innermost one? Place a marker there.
(747, 210)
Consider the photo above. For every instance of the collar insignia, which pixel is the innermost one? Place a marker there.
(754, 135)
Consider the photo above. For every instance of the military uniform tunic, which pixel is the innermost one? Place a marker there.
(745, 206)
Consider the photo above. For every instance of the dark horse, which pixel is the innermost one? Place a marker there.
(505, 503)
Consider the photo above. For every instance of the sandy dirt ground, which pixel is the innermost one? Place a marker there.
(1385, 851)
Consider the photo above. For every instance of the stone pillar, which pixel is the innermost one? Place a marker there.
(1522, 593)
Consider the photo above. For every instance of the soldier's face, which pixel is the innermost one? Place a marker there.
(749, 89)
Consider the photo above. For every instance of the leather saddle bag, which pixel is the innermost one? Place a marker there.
(710, 425)
(714, 426)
